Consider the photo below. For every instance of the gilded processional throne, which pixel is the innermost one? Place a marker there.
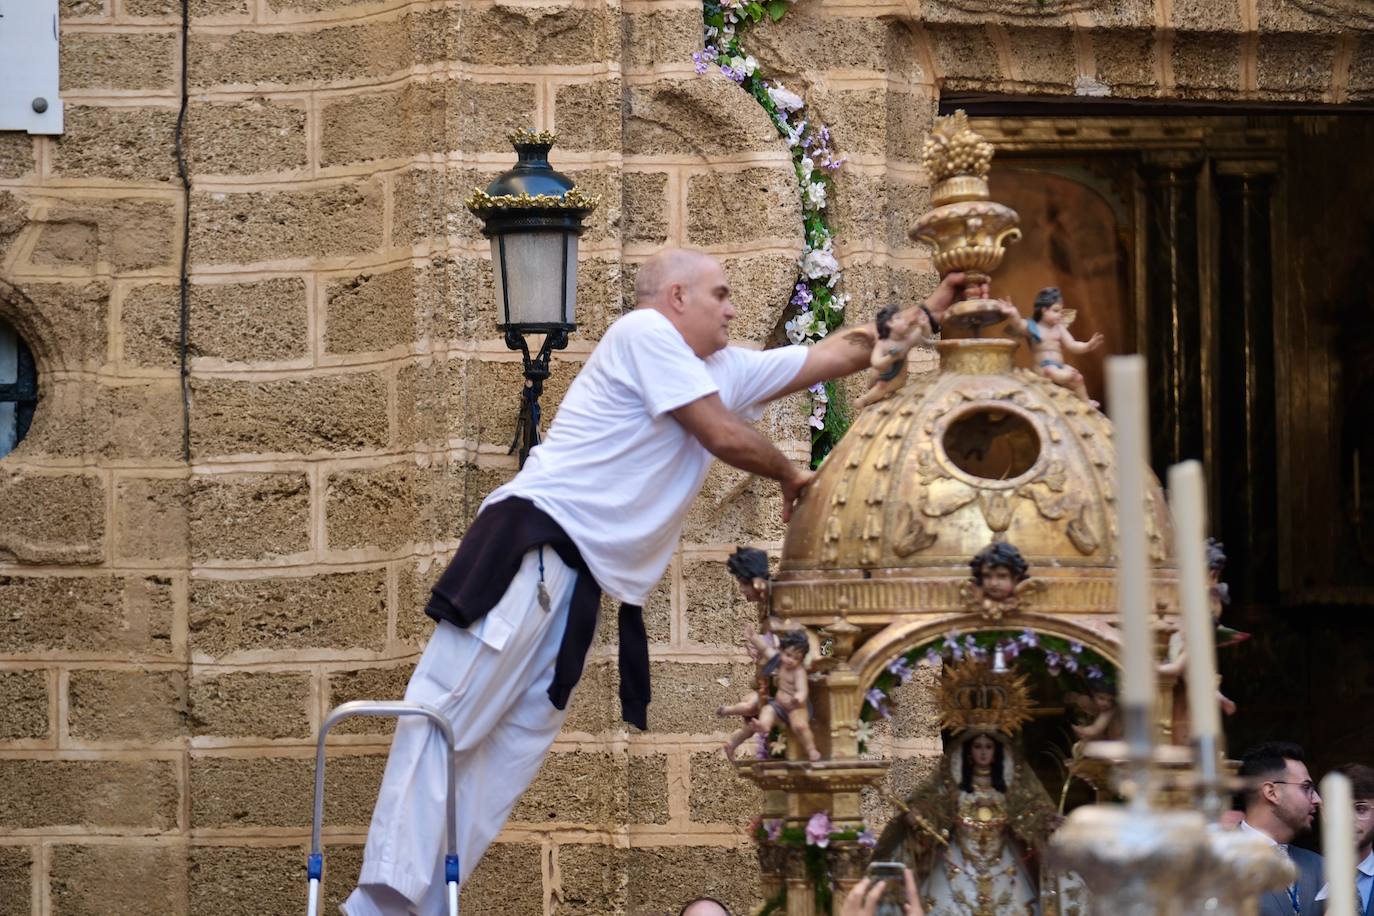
(876, 560)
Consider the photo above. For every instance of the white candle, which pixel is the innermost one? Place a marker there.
(1126, 404)
(1338, 845)
(1199, 630)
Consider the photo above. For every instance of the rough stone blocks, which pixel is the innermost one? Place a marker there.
(325, 611)
(124, 794)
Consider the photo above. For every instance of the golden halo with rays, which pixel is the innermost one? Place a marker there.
(975, 698)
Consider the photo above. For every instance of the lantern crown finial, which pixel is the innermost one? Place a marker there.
(532, 184)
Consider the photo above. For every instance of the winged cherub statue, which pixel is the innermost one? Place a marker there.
(1048, 334)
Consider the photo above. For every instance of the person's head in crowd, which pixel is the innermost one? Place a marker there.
(704, 906)
(1362, 792)
(1280, 797)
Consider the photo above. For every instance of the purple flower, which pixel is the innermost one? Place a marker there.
(969, 641)
(932, 657)
(867, 839)
(815, 422)
(1070, 663)
(1076, 648)
(802, 296)
(901, 668)
(761, 747)
(818, 829)
(1094, 673)
(875, 696)
(977, 653)
(703, 58)
(1010, 648)
(1053, 662)
(731, 73)
(952, 639)
(774, 828)
(1029, 639)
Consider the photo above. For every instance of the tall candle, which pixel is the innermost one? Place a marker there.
(1199, 630)
(1338, 844)
(1126, 404)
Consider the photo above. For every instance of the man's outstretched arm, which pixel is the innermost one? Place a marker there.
(740, 445)
(848, 350)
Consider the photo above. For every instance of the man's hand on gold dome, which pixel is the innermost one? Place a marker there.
(792, 487)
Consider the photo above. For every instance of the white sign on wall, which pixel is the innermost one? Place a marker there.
(28, 67)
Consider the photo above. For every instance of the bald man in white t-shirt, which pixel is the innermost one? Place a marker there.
(598, 505)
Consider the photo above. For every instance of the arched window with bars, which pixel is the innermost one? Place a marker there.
(18, 388)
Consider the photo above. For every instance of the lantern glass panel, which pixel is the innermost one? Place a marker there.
(530, 276)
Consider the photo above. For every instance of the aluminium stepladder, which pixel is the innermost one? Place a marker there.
(391, 709)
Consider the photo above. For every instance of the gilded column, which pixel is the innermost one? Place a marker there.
(1173, 307)
(1245, 377)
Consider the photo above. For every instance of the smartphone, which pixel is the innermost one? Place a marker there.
(893, 874)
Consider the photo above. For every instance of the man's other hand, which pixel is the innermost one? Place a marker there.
(792, 487)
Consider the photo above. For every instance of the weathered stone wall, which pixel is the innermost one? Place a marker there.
(173, 628)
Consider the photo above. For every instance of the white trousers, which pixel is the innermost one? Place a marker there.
(491, 681)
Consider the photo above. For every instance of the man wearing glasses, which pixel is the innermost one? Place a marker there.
(1362, 789)
(1280, 803)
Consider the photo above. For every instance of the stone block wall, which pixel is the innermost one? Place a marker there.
(191, 577)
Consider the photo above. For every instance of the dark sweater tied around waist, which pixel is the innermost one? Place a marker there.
(484, 566)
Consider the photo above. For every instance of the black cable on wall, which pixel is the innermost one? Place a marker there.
(184, 346)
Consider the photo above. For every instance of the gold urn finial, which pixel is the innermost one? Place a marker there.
(953, 148)
(968, 231)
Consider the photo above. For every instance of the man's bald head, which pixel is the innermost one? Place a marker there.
(704, 906)
(656, 277)
(688, 288)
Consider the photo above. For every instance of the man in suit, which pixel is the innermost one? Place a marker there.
(1362, 791)
(1280, 803)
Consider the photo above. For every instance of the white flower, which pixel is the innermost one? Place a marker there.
(839, 302)
(785, 100)
(807, 167)
(819, 263)
(815, 195)
(795, 332)
(746, 65)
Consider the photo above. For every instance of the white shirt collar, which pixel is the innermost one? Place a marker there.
(1245, 825)
(1367, 864)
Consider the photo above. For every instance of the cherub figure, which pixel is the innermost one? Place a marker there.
(1176, 657)
(1049, 337)
(1000, 582)
(898, 331)
(1099, 705)
(791, 705)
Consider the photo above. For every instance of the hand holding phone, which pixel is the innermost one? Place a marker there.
(888, 890)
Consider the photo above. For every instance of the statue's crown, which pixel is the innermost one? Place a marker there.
(975, 698)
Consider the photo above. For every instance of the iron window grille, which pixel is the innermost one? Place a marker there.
(18, 388)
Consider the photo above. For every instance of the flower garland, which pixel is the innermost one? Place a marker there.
(1039, 654)
(817, 297)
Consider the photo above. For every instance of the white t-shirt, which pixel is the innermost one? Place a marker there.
(616, 471)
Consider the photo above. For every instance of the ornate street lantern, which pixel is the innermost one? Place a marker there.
(533, 217)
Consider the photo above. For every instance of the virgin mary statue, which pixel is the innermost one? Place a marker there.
(974, 830)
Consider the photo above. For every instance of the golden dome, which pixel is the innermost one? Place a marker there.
(926, 479)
